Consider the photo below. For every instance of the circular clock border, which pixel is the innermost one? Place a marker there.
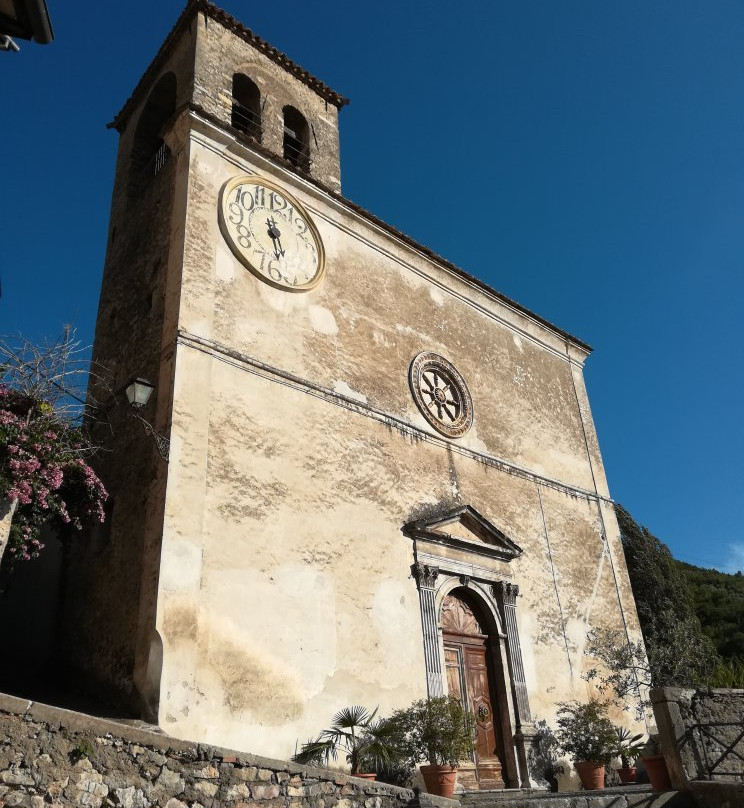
(257, 179)
(428, 360)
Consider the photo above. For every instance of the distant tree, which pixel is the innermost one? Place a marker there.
(678, 651)
(674, 651)
(44, 444)
(719, 604)
(728, 673)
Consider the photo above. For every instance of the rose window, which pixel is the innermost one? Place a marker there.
(441, 394)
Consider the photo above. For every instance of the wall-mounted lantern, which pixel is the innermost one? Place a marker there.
(138, 393)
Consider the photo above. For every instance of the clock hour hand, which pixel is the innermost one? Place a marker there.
(275, 234)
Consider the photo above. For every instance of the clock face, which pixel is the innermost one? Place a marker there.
(270, 232)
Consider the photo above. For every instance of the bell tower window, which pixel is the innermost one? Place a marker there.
(296, 139)
(246, 106)
(149, 152)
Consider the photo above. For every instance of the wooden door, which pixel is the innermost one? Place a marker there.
(469, 679)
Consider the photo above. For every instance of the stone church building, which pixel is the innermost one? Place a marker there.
(374, 476)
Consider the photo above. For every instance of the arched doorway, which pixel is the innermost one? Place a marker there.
(472, 679)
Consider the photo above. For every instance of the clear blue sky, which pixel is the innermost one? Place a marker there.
(600, 150)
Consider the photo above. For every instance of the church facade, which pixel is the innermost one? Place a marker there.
(382, 479)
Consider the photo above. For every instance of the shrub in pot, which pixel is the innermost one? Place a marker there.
(366, 741)
(589, 737)
(439, 733)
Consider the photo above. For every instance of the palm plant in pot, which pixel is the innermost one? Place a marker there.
(628, 748)
(587, 734)
(438, 732)
(364, 739)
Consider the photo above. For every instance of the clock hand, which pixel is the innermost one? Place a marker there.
(275, 234)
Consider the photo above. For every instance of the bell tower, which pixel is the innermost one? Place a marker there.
(216, 100)
(223, 72)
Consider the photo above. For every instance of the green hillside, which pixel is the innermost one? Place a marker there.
(719, 605)
(692, 619)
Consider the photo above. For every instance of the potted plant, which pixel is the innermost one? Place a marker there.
(655, 765)
(628, 748)
(438, 732)
(587, 734)
(362, 738)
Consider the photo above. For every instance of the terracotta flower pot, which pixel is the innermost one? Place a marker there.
(627, 775)
(590, 773)
(658, 774)
(440, 780)
(368, 776)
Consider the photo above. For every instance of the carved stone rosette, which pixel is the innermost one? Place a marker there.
(441, 394)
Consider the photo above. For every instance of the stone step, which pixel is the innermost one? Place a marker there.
(640, 796)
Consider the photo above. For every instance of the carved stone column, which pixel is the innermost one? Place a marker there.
(506, 594)
(507, 597)
(426, 577)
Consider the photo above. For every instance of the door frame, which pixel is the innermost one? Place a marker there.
(462, 643)
(497, 661)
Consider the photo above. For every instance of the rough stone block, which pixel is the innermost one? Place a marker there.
(170, 781)
(207, 773)
(17, 798)
(16, 776)
(131, 797)
(238, 791)
(268, 792)
(206, 789)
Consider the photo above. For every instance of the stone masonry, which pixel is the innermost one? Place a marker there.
(55, 757)
(702, 734)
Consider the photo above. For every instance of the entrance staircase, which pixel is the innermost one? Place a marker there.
(639, 796)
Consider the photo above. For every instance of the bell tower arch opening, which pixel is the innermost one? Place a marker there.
(245, 115)
(296, 138)
(149, 151)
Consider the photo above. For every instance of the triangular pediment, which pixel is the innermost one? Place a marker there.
(465, 529)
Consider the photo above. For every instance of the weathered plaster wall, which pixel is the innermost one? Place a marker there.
(298, 453)
(50, 756)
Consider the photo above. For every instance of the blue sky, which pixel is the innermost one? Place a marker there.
(592, 150)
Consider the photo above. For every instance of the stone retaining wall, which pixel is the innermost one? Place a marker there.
(54, 757)
(701, 733)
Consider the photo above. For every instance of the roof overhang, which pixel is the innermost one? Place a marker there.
(26, 19)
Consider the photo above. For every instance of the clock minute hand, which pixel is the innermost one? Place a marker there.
(275, 234)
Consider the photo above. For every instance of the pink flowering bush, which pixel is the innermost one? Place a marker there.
(42, 466)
